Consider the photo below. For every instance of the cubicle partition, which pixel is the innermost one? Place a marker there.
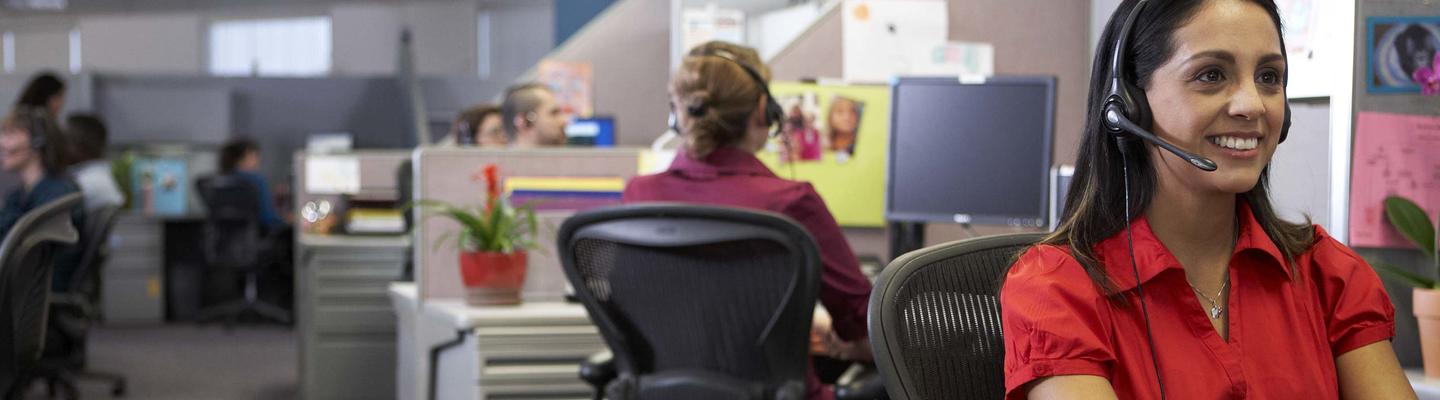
(529, 351)
(346, 326)
(453, 176)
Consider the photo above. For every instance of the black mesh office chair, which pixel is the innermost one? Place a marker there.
(26, 260)
(696, 302)
(232, 240)
(74, 311)
(935, 319)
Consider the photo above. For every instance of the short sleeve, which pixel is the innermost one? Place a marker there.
(1357, 309)
(1054, 320)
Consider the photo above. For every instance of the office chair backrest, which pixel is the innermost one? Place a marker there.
(232, 221)
(94, 237)
(26, 257)
(935, 319)
(696, 302)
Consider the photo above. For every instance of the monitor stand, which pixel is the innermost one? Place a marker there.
(905, 237)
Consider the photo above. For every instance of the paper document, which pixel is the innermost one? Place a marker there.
(1395, 154)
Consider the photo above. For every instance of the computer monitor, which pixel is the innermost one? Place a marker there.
(594, 131)
(970, 151)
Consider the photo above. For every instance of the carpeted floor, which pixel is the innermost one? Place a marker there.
(189, 362)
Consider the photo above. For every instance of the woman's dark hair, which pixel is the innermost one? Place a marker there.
(40, 90)
(1095, 204)
(49, 143)
(233, 152)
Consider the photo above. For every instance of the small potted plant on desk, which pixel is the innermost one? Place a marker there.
(492, 243)
(1411, 221)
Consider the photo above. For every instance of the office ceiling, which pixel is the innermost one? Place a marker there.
(72, 7)
(75, 7)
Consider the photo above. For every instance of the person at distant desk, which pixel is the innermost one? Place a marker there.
(45, 91)
(242, 157)
(532, 117)
(92, 171)
(32, 146)
(478, 126)
(720, 115)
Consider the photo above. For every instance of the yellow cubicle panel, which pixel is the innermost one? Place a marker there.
(851, 179)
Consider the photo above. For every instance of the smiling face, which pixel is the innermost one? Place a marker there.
(1221, 95)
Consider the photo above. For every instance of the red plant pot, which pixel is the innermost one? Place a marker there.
(492, 278)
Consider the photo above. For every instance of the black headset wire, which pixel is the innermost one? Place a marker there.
(1139, 288)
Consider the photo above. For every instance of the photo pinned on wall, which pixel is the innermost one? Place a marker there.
(800, 139)
(842, 127)
(1402, 54)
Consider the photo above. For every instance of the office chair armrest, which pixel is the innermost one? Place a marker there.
(71, 302)
(861, 382)
(598, 370)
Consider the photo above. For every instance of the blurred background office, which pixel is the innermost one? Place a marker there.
(328, 119)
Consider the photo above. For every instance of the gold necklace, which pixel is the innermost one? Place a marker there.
(1215, 305)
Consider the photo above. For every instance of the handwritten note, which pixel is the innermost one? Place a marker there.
(1395, 154)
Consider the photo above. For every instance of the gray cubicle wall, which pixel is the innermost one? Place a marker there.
(1407, 341)
(279, 113)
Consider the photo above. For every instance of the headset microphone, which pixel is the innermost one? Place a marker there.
(1113, 117)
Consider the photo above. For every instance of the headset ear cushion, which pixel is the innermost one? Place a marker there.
(1139, 107)
(1285, 126)
(773, 114)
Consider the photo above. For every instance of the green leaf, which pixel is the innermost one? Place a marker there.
(1402, 274)
(1411, 221)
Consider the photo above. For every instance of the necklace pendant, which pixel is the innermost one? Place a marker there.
(1214, 312)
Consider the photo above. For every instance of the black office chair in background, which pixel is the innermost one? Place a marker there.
(935, 319)
(76, 309)
(27, 258)
(695, 302)
(233, 240)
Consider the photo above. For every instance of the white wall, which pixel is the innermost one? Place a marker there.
(770, 32)
(366, 37)
(149, 44)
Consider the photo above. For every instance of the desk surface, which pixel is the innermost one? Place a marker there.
(1425, 388)
(465, 316)
(364, 241)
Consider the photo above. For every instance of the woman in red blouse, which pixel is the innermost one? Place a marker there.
(1240, 303)
(719, 113)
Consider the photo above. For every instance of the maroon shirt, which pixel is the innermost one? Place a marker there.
(731, 177)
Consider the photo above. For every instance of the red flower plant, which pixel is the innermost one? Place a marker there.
(492, 185)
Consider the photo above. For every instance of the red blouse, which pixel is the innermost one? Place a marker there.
(1288, 323)
(735, 178)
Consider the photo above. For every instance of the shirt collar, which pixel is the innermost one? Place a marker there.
(721, 161)
(1152, 258)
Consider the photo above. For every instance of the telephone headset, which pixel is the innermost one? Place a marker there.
(774, 113)
(1127, 111)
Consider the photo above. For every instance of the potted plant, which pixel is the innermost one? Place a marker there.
(1411, 221)
(492, 243)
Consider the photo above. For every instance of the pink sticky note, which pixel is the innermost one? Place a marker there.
(1395, 155)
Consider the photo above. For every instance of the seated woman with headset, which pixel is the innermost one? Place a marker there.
(32, 146)
(1171, 275)
(724, 114)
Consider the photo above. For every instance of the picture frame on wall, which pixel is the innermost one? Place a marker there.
(1398, 50)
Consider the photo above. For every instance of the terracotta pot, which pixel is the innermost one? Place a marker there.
(1427, 312)
(492, 278)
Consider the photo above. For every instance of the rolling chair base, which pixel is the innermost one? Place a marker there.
(232, 311)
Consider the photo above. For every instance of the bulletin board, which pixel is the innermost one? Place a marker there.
(817, 146)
